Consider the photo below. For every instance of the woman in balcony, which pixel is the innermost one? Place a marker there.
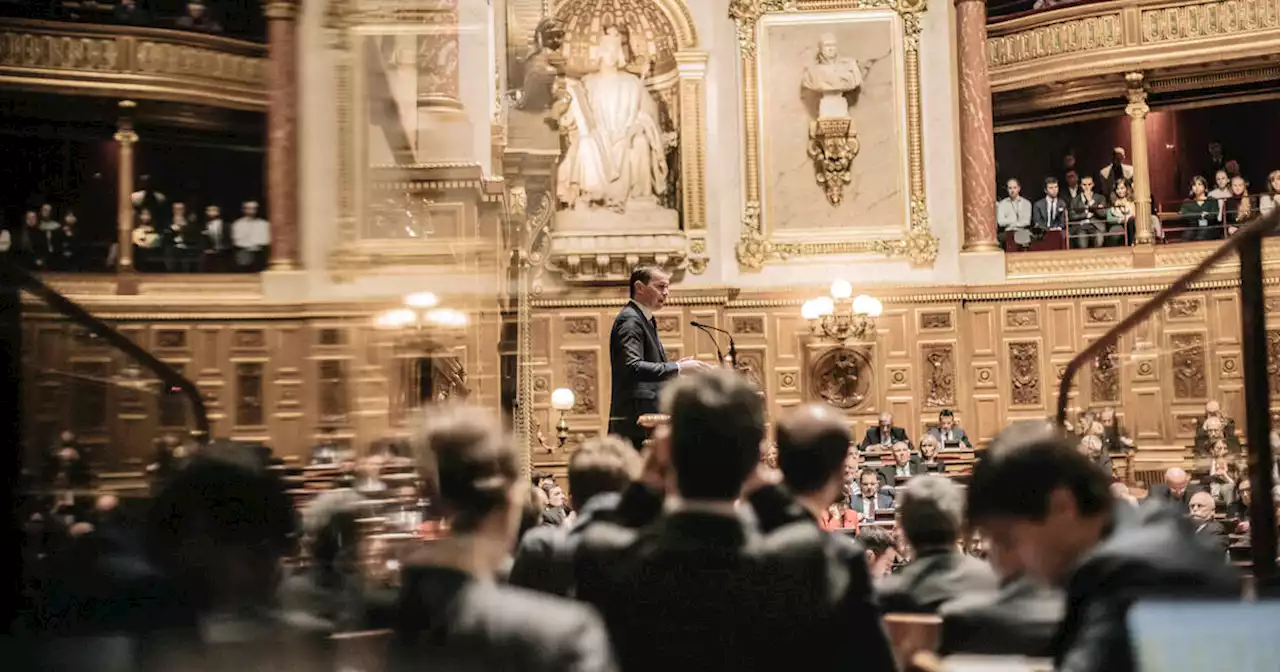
(1200, 215)
(1238, 208)
(1120, 215)
(1269, 200)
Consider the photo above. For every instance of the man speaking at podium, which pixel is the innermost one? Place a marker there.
(636, 358)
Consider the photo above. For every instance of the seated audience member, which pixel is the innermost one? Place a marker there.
(1113, 437)
(931, 516)
(903, 465)
(1222, 478)
(1034, 493)
(1176, 489)
(1217, 160)
(217, 242)
(700, 588)
(883, 553)
(251, 236)
(1239, 509)
(769, 457)
(1121, 492)
(1091, 446)
(1117, 171)
(813, 443)
(929, 463)
(1071, 185)
(197, 18)
(839, 516)
(1120, 216)
(450, 609)
(1201, 510)
(884, 434)
(947, 432)
(1013, 213)
(1087, 218)
(182, 241)
(1020, 618)
(869, 498)
(599, 471)
(555, 514)
(1221, 190)
(328, 450)
(1200, 216)
(1237, 208)
(1271, 197)
(1050, 212)
(69, 245)
(128, 12)
(146, 243)
(1215, 429)
(37, 246)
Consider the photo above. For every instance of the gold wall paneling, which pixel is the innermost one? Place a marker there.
(759, 241)
(133, 62)
(1183, 46)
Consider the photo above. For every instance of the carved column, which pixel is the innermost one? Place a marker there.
(282, 134)
(126, 136)
(1137, 110)
(444, 130)
(977, 142)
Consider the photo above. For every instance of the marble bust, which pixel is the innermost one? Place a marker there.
(615, 154)
(832, 77)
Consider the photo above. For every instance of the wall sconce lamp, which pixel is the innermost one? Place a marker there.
(562, 400)
(840, 318)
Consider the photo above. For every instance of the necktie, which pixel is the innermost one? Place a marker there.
(947, 438)
(1051, 204)
(654, 322)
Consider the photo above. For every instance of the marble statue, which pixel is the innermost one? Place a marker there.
(615, 153)
(833, 140)
(832, 78)
(543, 66)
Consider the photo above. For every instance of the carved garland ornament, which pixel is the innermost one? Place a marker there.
(755, 247)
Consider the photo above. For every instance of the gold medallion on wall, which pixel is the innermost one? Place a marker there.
(855, 117)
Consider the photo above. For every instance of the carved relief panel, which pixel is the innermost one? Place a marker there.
(1188, 361)
(842, 377)
(1024, 373)
(580, 375)
(938, 379)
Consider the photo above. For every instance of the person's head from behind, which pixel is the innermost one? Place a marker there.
(813, 446)
(929, 448)
(470, 461)
(901, 453)
(1091, 446)
(601, 465)
(882, 550)
(1176, 480)
(650, 286)
(221, 526)
(868, 484)
(1201, 506)
(931, 512)
(1036, 494)
(717, 424)
(1212, 409)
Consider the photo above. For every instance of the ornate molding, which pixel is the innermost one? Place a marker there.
(842, 377)
(133, 62)
(1024, 373)
(756, 245)
(938, 374)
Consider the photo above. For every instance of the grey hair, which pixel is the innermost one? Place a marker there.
(931, 512)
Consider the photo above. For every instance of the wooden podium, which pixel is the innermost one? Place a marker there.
(650, 422)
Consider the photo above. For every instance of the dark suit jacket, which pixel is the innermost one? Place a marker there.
(544, 559)
(1212, 533)
(888, 473)
(1149, 553)
(1040, 214)
(638, 365)
(873, 437)
(707, 591)
(1161, 493)
(1083, 210)
(884, 500)
(957, 434)
(1018, 620)
(445, 620)
(933, 579)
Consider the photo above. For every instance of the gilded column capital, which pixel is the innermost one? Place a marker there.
(1136, 92)
(282, 10)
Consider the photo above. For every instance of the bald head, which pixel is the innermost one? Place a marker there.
(1177, 480)
(1212, 408)
(813, 441)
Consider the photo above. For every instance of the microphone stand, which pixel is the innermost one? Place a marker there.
(707, 330)
(733, 347)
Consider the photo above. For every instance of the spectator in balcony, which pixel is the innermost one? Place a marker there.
(217, 243)
(1088, 216)
(1238, 208)
(1201, 214)
(1116, 170)
(1050, 212)
(251, 236)
(1014, 213)
(1120, 216)
(181, 241)
(6, 240)
(69, 244)
(1221, 186)
(1217, 159)
(1041, 5)
(146, 242)
(36, 244)
(1269, 200)
(198, 19)
(1072, 181)
(48, 223)
(127, 12)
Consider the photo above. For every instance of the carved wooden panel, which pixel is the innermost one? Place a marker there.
(249, 394)
(938, 374)
(842, 377)
(1061, 328)
(1101, 313)
(1021, 319)
(1273, 361)
(751, 363)
(580, 325)
(1187, 351)
(330, 336)
(936, 320)
(249, 339)
(1024, 373)
(748, 325)
(1104, 378)
(171, 339)
(899, 377)
(1184, 308)
(668, 324)
(331, 379)
(581, 375)
(788, 381)
(982, 331)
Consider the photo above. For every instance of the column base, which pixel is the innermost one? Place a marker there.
(444, 134)
(285, 285)
(985, 267)
(1144, 255)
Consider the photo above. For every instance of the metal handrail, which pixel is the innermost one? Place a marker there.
(1247, 242)
(168, 376)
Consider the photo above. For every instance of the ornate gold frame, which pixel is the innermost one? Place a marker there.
(756, 246)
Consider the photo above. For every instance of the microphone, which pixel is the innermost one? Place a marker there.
(733, 347)
(706, 329)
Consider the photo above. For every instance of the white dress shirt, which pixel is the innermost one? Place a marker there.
(1013, 213)
(251, 233)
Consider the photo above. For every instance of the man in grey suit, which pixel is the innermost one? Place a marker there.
(637, 360)
(931, 515)
(904, 465)
(947, 433)
(869, 498)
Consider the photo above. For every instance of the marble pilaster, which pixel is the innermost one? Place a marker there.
(977, 142)
(282, 134)
(126, 137)
(1137, 110)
